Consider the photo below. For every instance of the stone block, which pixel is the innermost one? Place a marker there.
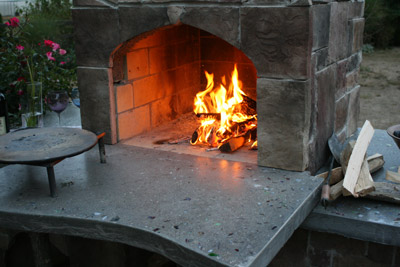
(341, 71)
(283, 128)
(97, 101)
(338, 32)
(321, 58)
(321, 21)
(356, 35)
(352, 79)
(325, 117)
(354, 110)
(354, 62)
(95, 35)
(278, 40)
(133, 122)
(207, 19)
(356, 9)
(341, 110)
(124, 97)
(265, 2)
(137, 63)
(138, 20)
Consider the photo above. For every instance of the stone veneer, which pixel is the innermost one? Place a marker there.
(307, 55)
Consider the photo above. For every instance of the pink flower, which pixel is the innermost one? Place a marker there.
(20, 47)
(62, 52)
(21, 79)
(48, 43)
(20, 92)
(55, 46)
(50, 56)
(62, 62)
(14, 22)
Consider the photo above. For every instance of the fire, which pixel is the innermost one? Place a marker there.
(225, 113)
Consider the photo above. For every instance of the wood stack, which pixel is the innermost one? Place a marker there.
(354, 178)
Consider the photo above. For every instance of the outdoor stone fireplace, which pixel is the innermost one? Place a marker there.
(142, 62)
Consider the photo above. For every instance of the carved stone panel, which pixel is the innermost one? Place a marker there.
(278, 40)
(283, 129)
(222, 22)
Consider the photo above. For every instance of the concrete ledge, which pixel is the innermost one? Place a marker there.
(195, 211)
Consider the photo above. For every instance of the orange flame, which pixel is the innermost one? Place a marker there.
(219, 102)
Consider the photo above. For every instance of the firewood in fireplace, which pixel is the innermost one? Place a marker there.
(195, 137)
(216, 116)
(232, 144)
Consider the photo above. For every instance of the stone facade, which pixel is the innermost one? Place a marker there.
(302, 56)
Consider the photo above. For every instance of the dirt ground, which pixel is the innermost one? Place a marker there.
(380, 88)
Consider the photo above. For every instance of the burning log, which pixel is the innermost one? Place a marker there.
(233, 144)
(248, 106)
(216, 116)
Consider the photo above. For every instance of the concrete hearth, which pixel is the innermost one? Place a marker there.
(183, 207)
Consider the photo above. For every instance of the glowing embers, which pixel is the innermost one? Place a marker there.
(228, 116)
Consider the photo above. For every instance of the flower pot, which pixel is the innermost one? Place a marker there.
(32, 106)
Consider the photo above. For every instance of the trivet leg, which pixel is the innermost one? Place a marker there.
(52, 181)
(102, 149)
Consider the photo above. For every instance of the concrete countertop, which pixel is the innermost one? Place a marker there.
(196, 211)
(361, 218)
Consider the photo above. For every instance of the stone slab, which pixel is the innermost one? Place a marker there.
(283, 130)
(321, 20)
(183, 207)
(96, 36)
(97, 102)
(361, 218)
(338, 33)
(278, 40)
(138, 20)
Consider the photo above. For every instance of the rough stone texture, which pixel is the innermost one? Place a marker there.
(207, 19)
(97, 102)
(322, 58)
(278, 40)
(356, 9)
(284, 126)
(341, 110)
(321, 20)
(325, 87)
(96, 36)
(338, 33)
(354, 110)
(354, 62)
(356, 35)
(138, 20)
(341, 71)
(352, 79)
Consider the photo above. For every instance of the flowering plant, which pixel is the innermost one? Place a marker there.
(24, 61)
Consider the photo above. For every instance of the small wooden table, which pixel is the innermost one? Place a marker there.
(46, 147)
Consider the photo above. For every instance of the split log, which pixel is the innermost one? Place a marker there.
(375, 162)
(232, 144)
(336, 190)
(364, 184)
(248, 106)
(386, 192)
(393, 176)
(336, 176)
(357, 159)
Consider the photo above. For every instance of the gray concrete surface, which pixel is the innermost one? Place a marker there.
(196, 211)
